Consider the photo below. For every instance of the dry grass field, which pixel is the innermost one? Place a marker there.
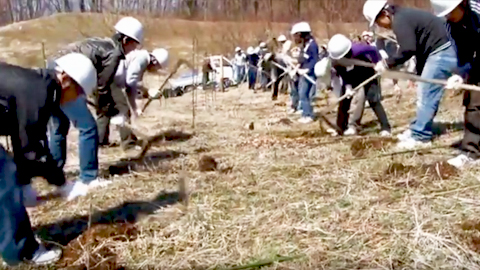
(257, 193)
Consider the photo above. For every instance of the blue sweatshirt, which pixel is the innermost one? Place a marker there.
(309, 57)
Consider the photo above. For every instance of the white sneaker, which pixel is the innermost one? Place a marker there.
(291, 111)
(385, 133)
(350, 132)
(460, 161)
(305, 120)
(299, 112)
(410, 144)
(43, 256)
(332, 132)
(98, 183)
(407, 134)
(74, 190)
(30, 196)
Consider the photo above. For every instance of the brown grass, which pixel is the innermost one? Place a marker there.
(290, 189)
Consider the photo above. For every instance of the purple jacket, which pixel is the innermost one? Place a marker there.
(357, 74)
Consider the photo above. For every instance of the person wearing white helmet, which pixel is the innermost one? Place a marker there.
(130, 73)
(302, 34)
(240, 61)
(252, 62)
(28, 97)
(423, 35)
(340, 47)
(463, 24)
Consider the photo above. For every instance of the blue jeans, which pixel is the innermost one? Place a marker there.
(294, 94)
(17, 241)
(304, 91)
(252, 77)
(239, 73)
(77, 112)
(440, 65)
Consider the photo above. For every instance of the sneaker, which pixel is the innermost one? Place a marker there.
(411, 143)
(44, 256)
(460, 161)
(332, 132)
(291, 111)
(305, 120)
(30, 196)
(350, 132)
(385, 133)
(73, 190)
(407, 134)
(298, 112)
(98, 183)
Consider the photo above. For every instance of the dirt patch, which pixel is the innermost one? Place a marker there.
(436, 171)
(470, 234)
(302, 134)
(360, 147)
(207, 164)
(91, 251)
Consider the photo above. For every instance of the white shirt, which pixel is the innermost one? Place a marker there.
(240, 59)
(130, 70)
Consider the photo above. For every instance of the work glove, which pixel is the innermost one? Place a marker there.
(381, 67)
(349, 91)
(153, 93)
(268, 56)
(292, 73)
(454, 82)
(118, 120)
(302, 71)
(384, 54)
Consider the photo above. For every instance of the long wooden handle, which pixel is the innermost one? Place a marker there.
(304, 75)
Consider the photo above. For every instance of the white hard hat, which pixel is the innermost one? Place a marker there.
(131, 28)
(263, 44)
(300, 28)
(338, 46)
(78, 67)
(367, 33)
(282, 38)
(161, 55)
(238, 49)
(250, 50)
(443, 7)
(322, 67)
(372, 8)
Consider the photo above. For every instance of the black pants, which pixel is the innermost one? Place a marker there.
(109, 105)
(471, 137)
(281, 76)
(17, 242)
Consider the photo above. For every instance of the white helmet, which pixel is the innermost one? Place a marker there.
(263, 45)
(338, 46)
(372, 8)
(282, 38)
(442, 7)
(250, 50)
(300, 28)
(322, 67)
(131, 28)
(78, 67)
(238, 49)
(161, 55)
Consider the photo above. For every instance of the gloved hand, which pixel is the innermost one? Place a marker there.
(384, 54)
(454, 82)
(118, 120)
(292, 73)
(302, 71)
(349, 91)
(381, 67)
(139, 112)
(268, 56)
(153, 93)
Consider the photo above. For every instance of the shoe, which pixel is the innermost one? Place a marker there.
(332, 132)
(385, 133)
(411, 143)
(73, 190)
(44, 256)
(30, 196)
(98, 183)
(299, 112)
(460, 161)
(407, 134)
(305, 120)
(291, 111)
(350, 132)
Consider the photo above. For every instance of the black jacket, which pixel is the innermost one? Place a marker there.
(27, 99)
(105, 54)
(419, 33)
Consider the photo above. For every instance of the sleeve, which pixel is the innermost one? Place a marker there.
(475, 6)
(310, 57)
(373, 54)
(407, 42)
(135, 71)
(110, 63)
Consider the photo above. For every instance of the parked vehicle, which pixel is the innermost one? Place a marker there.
(186, 82)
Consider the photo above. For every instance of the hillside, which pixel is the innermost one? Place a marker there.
(260, 185)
